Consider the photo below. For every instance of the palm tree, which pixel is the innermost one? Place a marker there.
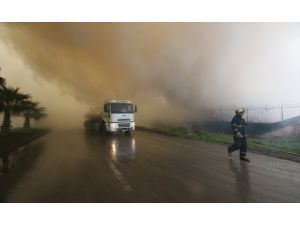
(2, 82)
(2, 87)
(39, 114)
(26, 109)
(30, 110)
(10, 100)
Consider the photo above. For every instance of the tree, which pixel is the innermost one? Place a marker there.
(26, 109)
(10, 103)
(30, 110)
(2, 83)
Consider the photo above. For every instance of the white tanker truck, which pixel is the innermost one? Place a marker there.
(117, 116)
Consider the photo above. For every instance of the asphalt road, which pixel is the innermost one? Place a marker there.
(70, 166)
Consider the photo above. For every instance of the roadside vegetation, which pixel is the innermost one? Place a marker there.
(17, 136)
(255, 143)
(15, 103)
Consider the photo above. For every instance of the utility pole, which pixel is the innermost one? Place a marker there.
(281, 113)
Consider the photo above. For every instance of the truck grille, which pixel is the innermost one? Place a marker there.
(123, 119)
(122, 125)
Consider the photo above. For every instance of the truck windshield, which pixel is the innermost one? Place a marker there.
(121, 108)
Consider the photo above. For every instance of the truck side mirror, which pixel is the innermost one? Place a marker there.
(135, 108)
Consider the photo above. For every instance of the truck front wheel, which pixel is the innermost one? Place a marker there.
(103, 129)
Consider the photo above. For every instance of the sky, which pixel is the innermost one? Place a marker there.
(174, 72)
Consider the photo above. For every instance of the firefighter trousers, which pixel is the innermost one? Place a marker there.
(239, 144)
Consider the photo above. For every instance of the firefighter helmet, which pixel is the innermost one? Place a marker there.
(240, 110)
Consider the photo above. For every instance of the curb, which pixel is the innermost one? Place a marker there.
(291, 156)
(293, 153)
(25, 142)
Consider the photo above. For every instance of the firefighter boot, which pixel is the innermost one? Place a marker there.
(230, 150)
(244, 158)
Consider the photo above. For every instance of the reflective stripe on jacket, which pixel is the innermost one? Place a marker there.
(238, 124)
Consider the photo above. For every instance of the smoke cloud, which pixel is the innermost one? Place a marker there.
(172, 71)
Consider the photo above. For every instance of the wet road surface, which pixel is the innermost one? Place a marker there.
(70, 166)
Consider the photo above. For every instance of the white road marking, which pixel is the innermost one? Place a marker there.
(119, 175)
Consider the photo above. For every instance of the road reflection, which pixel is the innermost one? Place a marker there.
(242, 182)
(118, 147)
(22, 163)
(122, 148)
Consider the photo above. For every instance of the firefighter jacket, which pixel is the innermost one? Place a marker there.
(238, 126)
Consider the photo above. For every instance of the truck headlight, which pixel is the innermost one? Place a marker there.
(132, 124)
(113, 125)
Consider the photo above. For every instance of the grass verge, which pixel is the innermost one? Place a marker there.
(276, 145)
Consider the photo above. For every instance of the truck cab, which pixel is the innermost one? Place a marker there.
(118, 116)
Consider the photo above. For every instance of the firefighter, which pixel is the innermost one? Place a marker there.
(238, 126)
